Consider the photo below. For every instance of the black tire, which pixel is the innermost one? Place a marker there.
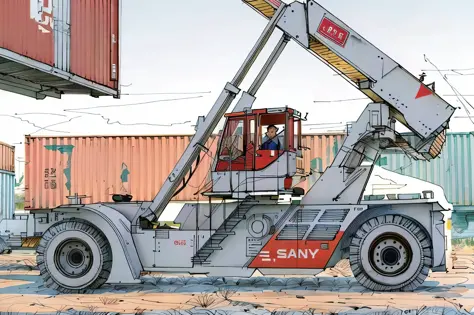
(390, 253)
(74, 257)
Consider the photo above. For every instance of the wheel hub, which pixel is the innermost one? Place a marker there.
(73, 258)
(390, 255)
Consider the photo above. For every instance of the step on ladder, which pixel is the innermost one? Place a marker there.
(226, 229)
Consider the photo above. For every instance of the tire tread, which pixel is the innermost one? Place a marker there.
(399, 220)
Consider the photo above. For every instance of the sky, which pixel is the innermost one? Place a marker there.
(190, 46)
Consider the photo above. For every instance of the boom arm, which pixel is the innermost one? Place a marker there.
(367, 68)
(396, 94)
(207, 126)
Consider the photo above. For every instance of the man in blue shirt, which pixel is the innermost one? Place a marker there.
(271, 141)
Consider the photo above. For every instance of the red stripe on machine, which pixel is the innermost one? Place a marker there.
(296, 254)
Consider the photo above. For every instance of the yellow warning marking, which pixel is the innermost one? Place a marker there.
(448, 225)
(31, 241)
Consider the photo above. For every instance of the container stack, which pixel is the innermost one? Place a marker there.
(7, 180)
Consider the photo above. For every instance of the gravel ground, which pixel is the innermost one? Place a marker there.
(333, 292)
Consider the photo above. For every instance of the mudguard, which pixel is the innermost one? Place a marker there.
(126, 266)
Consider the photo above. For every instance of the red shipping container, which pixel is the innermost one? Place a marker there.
(94, 40)
(7, 157)
(24, 35)
(55, 47)
(100, 166)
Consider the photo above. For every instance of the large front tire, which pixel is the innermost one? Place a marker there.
(390, 253)
(74, 256)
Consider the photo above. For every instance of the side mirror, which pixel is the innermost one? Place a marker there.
(121, 198)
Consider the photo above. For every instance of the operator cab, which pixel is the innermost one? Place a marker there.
(266, 142)
(244, 143)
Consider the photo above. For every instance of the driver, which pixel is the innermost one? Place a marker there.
(271, 141)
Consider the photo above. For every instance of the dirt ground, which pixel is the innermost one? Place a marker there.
(332, 292)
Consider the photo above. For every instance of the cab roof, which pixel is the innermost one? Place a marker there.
(273, 110)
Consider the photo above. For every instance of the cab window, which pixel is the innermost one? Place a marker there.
(272, 132)
(233, 140)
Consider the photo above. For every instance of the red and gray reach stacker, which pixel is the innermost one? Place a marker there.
(391, 243)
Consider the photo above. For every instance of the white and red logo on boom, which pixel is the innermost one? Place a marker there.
(333, 32)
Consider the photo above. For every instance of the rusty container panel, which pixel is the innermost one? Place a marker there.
(49, 48)
(98, 167)
(26, 31)
(95, 40)
(322, 151)
(7, 157)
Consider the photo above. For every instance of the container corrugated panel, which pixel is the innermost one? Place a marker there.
(94, 40)
(98, 167)
(21, 32)
(7, 157)
(7, 194)
(57, 167)
(452, 170)
(322, 151)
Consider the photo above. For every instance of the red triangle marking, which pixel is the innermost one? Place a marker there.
(423, 91)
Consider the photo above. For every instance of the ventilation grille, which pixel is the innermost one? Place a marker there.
(293, 232)
(334, 215)
(323, 232)
(305, 215)
(162, 234)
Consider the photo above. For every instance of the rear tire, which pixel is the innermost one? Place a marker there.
(390, 253)
(74, 256)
